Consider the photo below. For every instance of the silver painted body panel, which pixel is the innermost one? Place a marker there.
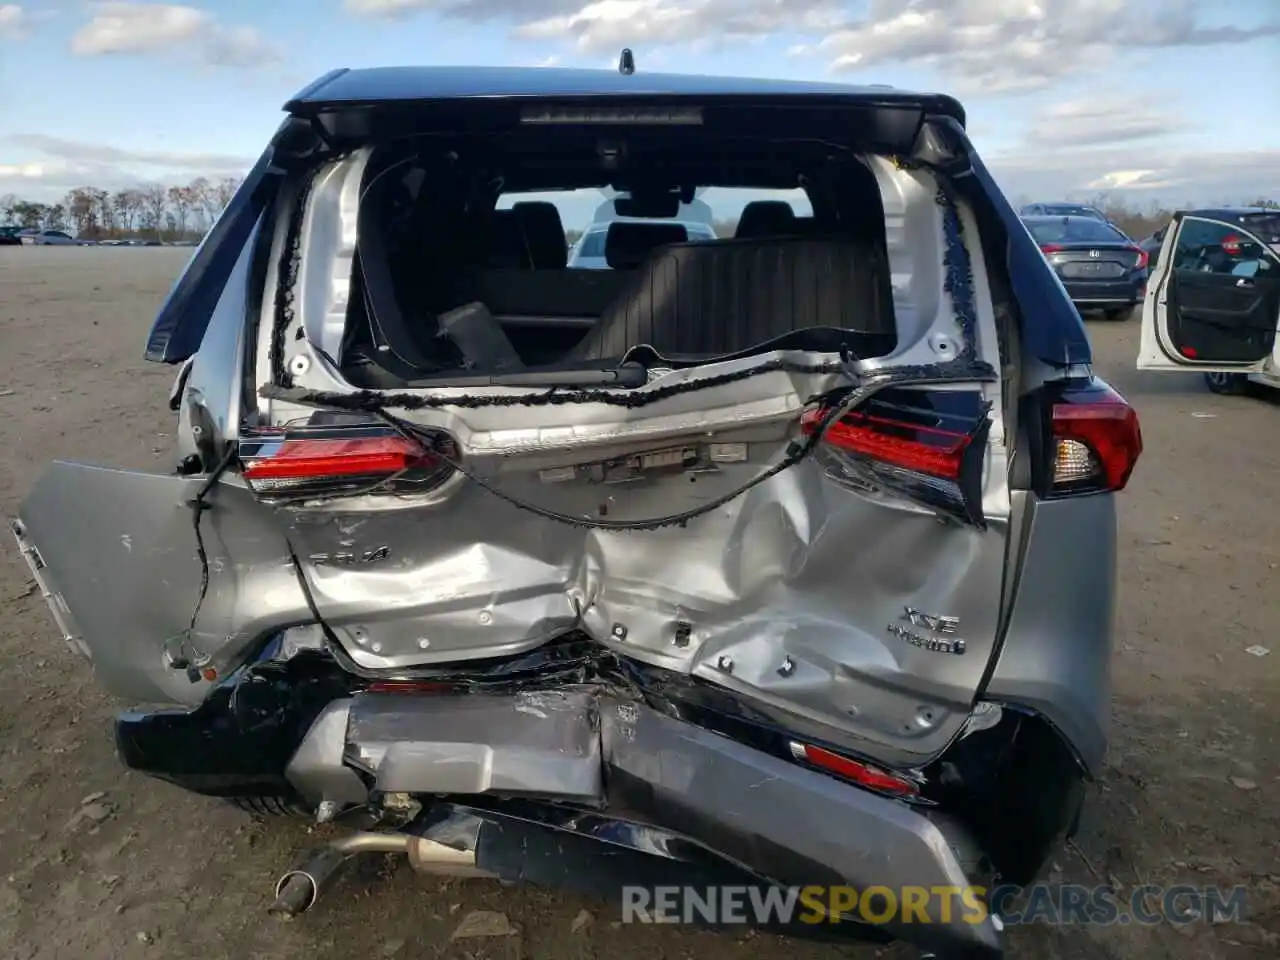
(1056, 656)
(543, 743)
(769, 577)
(118, 548)
(800, 570)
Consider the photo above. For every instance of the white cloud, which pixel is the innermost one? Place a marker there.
(386, 8)
(13, 22)
(980, 45)
(24, 171)
(80, 151)
(1000, 45)
(121, 27)
(1097, 118)
(1138, 173)
(63, 164)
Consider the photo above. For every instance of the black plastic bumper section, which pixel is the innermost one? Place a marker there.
(739, 809)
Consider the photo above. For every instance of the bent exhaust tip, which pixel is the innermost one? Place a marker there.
(299, 889)
(296, 893)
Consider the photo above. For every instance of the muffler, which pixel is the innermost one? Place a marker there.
(299, 889)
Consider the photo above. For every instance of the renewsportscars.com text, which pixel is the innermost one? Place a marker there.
(1063, 904)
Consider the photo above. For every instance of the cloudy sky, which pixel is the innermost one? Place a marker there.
(1168, 100)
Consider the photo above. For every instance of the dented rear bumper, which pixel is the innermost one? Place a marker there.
(617, 761)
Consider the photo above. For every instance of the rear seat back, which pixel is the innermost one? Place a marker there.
(766, 218)
(544, 233)
(725, 297)
(628, 243)
(537, 287)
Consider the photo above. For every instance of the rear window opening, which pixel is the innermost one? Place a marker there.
(546, 252)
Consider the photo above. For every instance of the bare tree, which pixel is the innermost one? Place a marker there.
(82, 210)
(204, 200)
(225, 190)
(8, 202)
(127, 205)
(180, 205)
(106, 212)
(155, 202)
(29, 214)
(55, 217)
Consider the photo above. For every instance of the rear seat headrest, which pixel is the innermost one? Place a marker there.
(505, 244)
(766, 218)
(544, 233)
(628, 243)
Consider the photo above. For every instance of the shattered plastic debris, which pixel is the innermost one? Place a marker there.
(484, 923)
(1199, 415)
(1257, 650)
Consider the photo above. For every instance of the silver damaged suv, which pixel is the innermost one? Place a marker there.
(783, 559)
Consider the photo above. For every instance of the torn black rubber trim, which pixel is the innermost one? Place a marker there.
(376, 401)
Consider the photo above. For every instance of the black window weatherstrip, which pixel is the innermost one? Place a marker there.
(180, 325)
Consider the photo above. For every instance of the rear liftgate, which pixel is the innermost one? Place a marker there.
(819, 537)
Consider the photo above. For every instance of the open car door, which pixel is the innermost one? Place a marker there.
(1213, 302)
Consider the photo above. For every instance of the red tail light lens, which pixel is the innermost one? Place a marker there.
(911, 446)
(1143, 259)
(1050, 248)
(925, 446)
(864, 775)
(312, 460)
(296, 459)
(1096, 441)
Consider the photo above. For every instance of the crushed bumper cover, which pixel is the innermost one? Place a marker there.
(619, 762)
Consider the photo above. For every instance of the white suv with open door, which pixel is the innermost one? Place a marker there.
(1213, 303)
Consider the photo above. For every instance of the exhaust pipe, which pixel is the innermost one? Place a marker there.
(298, 890)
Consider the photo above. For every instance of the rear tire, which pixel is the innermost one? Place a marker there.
(1122, 314)
(272, 807)
(1227, 384)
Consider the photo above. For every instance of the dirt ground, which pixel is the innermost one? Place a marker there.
(95, 862)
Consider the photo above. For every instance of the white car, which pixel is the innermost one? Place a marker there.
(1213, 302)
(50, 238)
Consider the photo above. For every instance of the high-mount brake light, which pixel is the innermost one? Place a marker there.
(922, 449)
(1097, 441)
(318, 460)
(864, 775)
(614, 116)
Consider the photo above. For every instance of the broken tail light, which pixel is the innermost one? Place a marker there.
(864, 775)
(315, 460)
(928, 446)
(1094, 441)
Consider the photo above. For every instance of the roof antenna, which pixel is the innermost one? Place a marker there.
(627, 63)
